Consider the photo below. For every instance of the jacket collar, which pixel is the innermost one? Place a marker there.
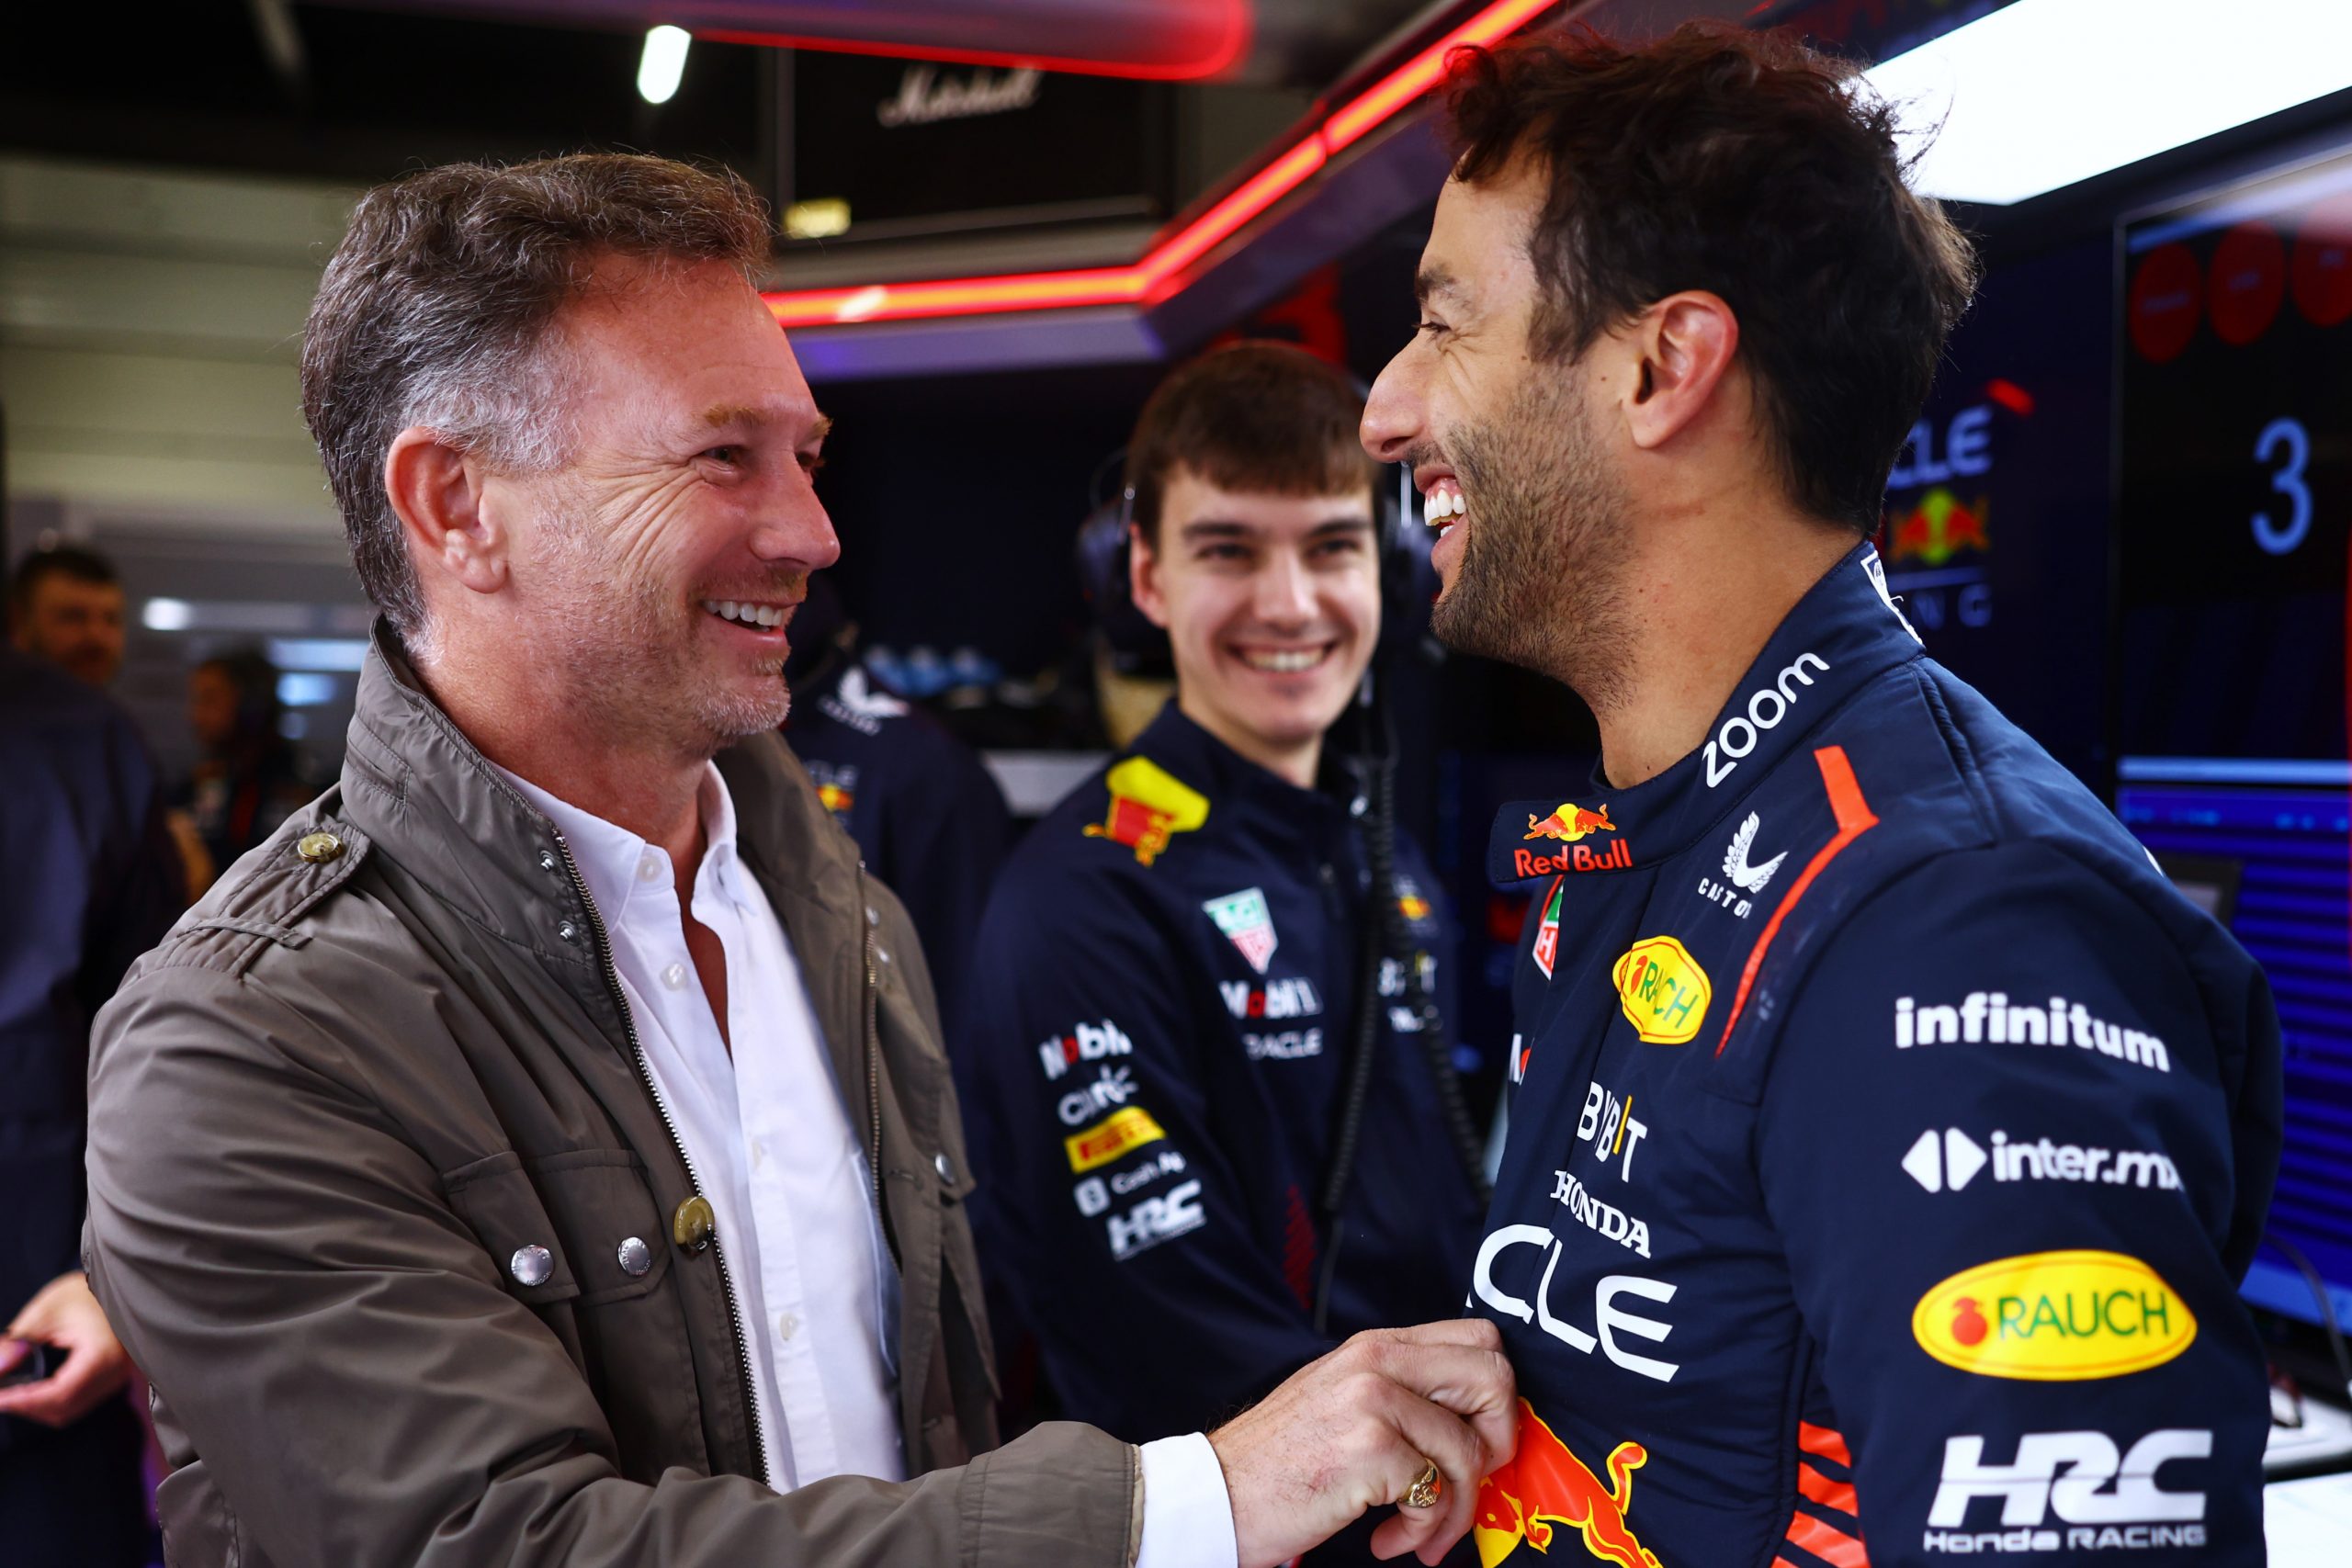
(428, 798)
(1842, 633)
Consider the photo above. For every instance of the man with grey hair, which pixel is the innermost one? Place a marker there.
(540, 1151)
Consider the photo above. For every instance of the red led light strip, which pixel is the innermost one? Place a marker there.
(1232, 43)
(1157, 274)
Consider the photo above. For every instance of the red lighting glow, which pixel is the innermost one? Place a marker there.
(1158, 273)
(1232, 41)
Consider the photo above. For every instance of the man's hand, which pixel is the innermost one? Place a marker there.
(67, 1315)
(1355, 1429)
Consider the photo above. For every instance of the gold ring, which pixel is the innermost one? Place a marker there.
(1424, 1493)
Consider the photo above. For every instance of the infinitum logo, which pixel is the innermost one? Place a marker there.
(1989, 1016)
(1950, 1159)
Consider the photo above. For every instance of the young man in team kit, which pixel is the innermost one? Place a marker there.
(1168, 991)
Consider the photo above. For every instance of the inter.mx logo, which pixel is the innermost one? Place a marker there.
(1087, 1043)
(2069, 1491)
(1950, 1159)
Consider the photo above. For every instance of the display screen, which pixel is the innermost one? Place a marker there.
(2235, 484)
(2233, 491)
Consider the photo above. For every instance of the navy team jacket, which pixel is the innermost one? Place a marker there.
(926, 816)
(1161, 1003)
(1887, 1141)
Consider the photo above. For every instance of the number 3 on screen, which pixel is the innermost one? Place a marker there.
(2288, 481)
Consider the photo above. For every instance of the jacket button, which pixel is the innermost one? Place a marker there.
(636, 1258)
(568, 931)
(531, 1265)
(318, 848)
(546, 860)
(947, 1171)
(693, 1225)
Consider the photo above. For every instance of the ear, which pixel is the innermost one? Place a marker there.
(1686, 342)
(437, 492)
(1143, 578)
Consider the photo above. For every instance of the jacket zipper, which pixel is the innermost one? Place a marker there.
(644, 1071)
(873, 1072)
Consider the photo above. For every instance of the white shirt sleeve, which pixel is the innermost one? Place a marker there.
(1187, 1517)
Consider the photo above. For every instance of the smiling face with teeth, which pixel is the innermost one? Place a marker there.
(649, 580)
(1271, 606)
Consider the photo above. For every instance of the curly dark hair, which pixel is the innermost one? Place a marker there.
(1746, 166)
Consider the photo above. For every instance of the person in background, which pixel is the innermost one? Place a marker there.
(924, 813)
(88, 881)
(65, 604)
(1169, 1002)
(247, 777)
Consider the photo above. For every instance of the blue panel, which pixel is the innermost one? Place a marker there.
(2294, 914)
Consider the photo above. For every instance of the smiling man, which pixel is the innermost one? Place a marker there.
(1167, 1004)
(1887, 1137)
(540, 1151)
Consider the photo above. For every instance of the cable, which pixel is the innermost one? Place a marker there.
(1385, 938)
(2326, 1305)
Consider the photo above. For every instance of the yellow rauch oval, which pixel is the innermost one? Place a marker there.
(1663, 990)
(2054, 1317)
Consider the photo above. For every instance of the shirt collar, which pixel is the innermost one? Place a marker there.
(610, 857)
(1842, 633)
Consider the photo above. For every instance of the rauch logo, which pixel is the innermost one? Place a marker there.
(2054, 1317)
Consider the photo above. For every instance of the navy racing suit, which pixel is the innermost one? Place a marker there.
(1162, 999)
(1887, 1139)
(925, 813)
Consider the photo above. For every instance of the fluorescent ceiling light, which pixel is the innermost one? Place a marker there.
(2046, 93)
(663, 64)
(167, 614)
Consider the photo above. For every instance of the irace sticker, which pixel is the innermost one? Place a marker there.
(2054, 1317)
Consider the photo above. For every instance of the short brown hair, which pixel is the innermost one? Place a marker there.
(1262, 417)
(1745, 164)
(70, 561)
(435, 310)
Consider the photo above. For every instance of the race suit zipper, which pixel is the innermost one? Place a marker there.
(645, 1071)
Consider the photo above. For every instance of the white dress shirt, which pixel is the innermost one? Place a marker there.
(765, 1129)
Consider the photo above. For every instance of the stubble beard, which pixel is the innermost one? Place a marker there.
(1542, 578)
(625, 650)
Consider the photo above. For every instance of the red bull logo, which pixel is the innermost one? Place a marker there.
(1569, 823)
(1937, 529)
(1149, 806)
(1546, 1487)
(835, 799)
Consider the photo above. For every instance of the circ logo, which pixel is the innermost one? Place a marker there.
(2054, 1317)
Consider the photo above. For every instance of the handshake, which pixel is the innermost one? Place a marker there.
(1359, 1428)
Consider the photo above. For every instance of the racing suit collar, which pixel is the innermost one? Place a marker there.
(1844, 631)
(1201, 760)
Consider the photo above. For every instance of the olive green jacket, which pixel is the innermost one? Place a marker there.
(387, 1051)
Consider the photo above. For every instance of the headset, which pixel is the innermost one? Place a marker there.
(1137, 647)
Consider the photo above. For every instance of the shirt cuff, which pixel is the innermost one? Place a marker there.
(1187, 1517)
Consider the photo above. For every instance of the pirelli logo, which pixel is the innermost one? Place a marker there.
(1112, 1137)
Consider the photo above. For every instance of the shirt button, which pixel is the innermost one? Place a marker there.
(787, 1326)
(636, 1258)
(649, 866)
(531, 1265)
(674, 976)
